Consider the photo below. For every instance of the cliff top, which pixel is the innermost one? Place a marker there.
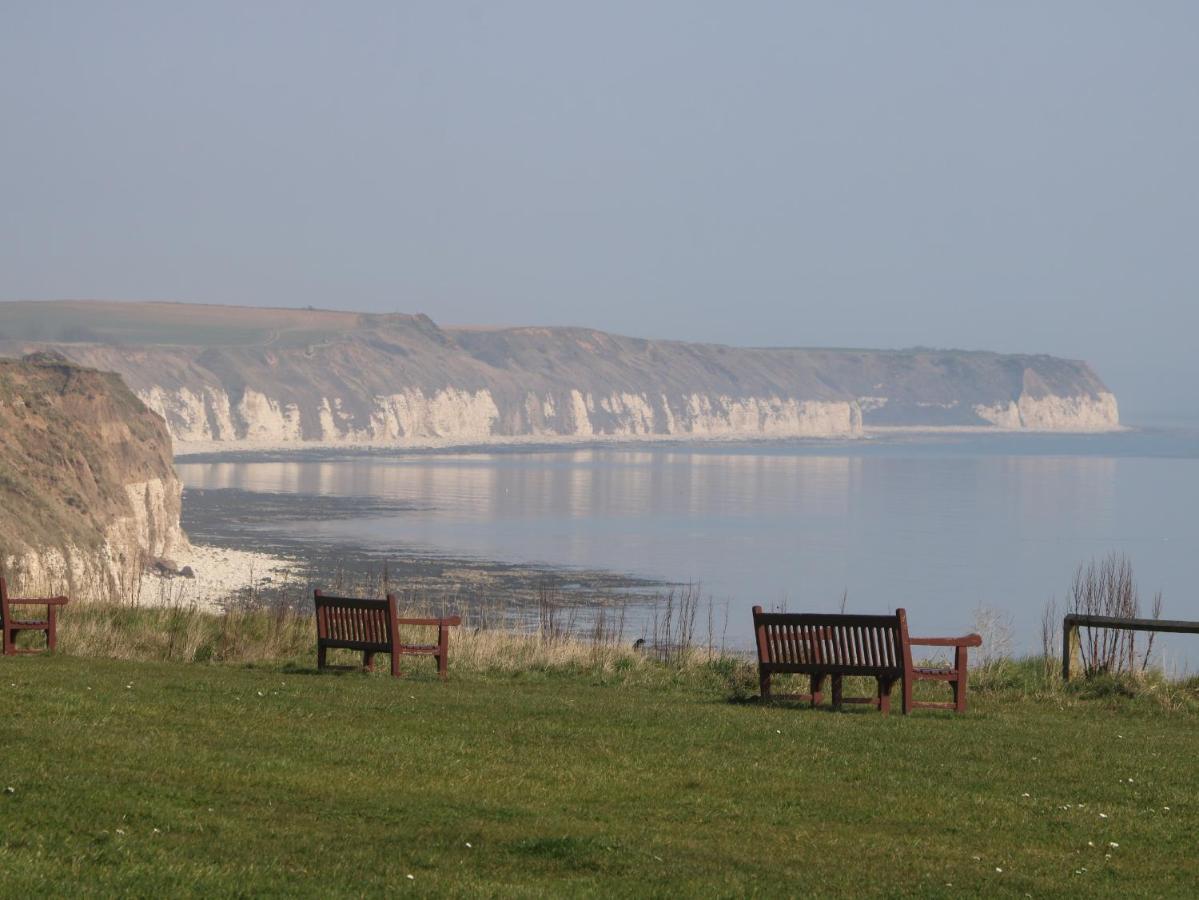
(158, 323)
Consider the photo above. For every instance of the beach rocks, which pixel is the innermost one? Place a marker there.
(164, 567)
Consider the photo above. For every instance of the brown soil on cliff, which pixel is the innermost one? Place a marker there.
(70, 440)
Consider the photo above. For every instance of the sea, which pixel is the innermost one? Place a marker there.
(964, 531)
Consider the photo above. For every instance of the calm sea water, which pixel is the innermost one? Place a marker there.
(942, 526)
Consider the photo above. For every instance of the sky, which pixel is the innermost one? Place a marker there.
(1016, 176)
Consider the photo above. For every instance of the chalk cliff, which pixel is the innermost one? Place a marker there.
(87, 489)
(244, 378)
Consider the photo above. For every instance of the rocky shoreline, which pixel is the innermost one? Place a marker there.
(247, 555)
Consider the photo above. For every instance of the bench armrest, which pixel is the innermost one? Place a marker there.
(38, 601)
(966, 640)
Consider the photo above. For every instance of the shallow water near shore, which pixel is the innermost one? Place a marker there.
(941, 525)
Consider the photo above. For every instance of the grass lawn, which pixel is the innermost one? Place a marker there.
(156, 779)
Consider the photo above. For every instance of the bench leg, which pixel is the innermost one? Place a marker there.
(764, 684)
(395, 664)
(817, 683)
(837, 679)
(884, 695)
(907, 694)
(443, 651)
(959, 684)
(368, 660)
(320, 657)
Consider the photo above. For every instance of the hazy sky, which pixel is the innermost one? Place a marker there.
(1010, 176)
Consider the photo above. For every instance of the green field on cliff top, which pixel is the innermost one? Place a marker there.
(165, 779)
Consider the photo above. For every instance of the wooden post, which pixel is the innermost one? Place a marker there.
(1070, 647)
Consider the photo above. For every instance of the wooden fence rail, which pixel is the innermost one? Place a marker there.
(1071, 649)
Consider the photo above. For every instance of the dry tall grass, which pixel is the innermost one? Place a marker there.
(164, 625)
(1106, 587)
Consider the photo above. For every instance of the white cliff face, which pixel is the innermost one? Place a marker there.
(267, 421)
(112, 570)
(154, 525)
(411, 416)
(452, 416)
(192, 416)
(1053, 413)
(770, 417)
(580, 417)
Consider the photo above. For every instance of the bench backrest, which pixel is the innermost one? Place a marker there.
(347, 620)
(836, 644)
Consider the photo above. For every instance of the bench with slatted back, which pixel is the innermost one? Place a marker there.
(373, 626)
(832, 646)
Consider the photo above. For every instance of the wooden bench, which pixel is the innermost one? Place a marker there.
(822, 646)
(11, 626)
(373, 626)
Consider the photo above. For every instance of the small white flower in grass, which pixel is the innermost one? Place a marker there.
(1026, 794)
(468, 844)
(778, 731)
(1166, 808)
(120, 831)
(997, 869)
(10, 790)
(979, 858)
(1112, 844)
(1103, 815)
(410, 877)
(158, 831)
(1090, 843)
(260, 694)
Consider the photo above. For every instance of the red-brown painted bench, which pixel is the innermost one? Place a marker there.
(822, 646)
(12, 626)
(373, 626)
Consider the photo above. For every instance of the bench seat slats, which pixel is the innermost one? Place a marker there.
(787, 668)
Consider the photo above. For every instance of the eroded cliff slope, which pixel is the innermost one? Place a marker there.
(87, 488)
(248, 377)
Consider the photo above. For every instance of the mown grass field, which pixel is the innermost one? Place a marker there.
(166, 779)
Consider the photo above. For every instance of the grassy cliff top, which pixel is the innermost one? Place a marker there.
(151, 779)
